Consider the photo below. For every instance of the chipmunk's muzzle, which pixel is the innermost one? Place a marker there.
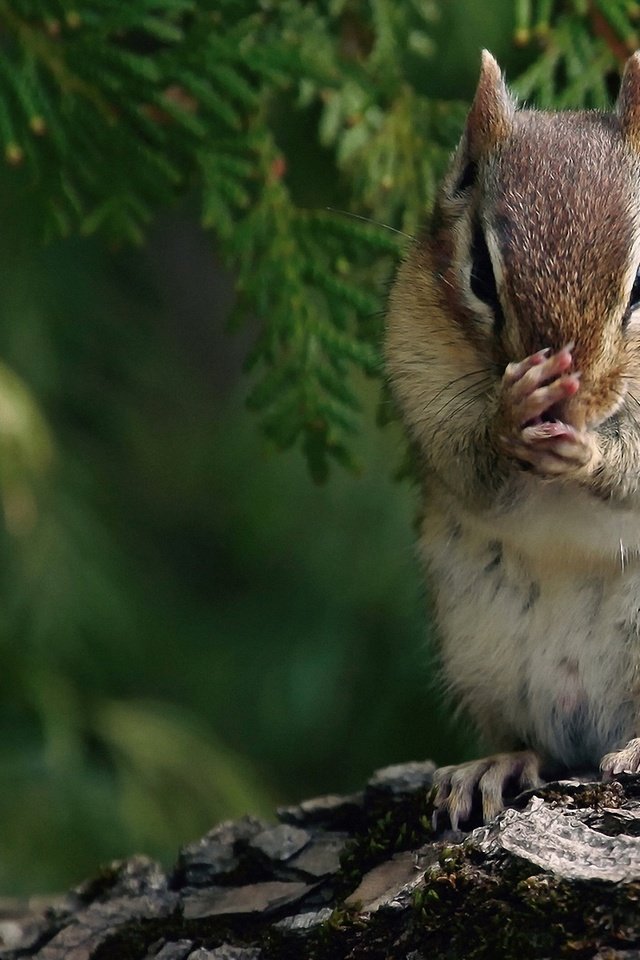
(596, 401)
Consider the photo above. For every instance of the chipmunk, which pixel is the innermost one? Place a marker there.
(513, 346)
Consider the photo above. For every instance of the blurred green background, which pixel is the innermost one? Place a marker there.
(190, 629)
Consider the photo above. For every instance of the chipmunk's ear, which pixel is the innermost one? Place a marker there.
(628, 105)
(489, 121)
(491, 116)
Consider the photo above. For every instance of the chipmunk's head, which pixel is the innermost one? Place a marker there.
(536, 237)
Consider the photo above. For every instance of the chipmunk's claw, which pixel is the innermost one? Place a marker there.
(456, 786)
(532, 429)
(626, 760)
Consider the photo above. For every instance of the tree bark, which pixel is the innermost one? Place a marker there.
(365, 877)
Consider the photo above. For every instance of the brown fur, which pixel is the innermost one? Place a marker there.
(561, 194)
(563, 186)
(531, 462)
(492, 110)
(629, 101)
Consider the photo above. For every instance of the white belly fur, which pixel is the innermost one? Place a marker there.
(539, 619)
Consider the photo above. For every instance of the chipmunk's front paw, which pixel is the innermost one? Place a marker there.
(456, 786)
(530, 427)
(626, 760)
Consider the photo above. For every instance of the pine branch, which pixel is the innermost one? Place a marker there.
(112, 111)
(583, 45)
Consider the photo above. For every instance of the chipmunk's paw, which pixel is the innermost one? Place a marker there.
(456, 786)
(626, 760)
(530, 426)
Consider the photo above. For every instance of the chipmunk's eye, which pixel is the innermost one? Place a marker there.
(634, 299)
(482, 279)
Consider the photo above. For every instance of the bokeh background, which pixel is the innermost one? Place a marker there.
(190, 627)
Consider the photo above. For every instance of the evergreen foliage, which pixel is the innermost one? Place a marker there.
(112, 110)
(582, 47)
(311, 134)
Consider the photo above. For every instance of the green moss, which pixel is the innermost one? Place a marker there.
(510, 910)
(385, 830)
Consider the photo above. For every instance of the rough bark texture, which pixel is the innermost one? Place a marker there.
(557, 874)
